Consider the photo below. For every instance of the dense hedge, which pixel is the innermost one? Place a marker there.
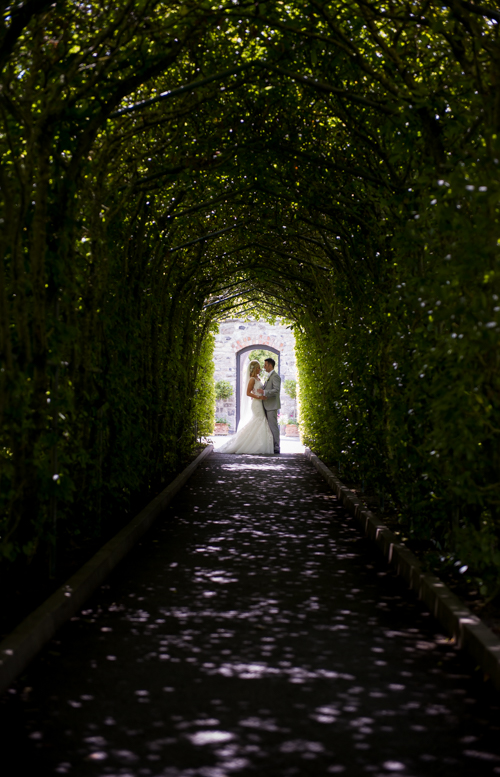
(402, 387)
(127, 375)
(204, 403)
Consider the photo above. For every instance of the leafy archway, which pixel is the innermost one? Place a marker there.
(165, 166)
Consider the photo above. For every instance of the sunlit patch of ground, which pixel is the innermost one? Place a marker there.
(287, 444)
(254, 633)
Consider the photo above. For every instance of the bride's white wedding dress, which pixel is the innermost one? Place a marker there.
(254, 435)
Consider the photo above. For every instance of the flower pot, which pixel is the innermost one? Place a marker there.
(282, 430)
(292, 430)
(221, 429)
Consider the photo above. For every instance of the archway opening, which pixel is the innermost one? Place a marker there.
(241, 360)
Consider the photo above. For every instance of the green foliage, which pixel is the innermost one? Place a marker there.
(221, 419)
(479, 545)
(260, 355)
(290, 387)
(223, 390)
(205, 392)
(292, 422)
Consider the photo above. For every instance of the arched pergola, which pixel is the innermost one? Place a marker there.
(240, 356)
(176, 180)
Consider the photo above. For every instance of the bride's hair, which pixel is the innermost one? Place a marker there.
(253, 367)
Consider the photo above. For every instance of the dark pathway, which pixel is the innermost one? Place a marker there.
(254, 632)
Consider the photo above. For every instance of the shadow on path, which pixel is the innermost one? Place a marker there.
(253, 632)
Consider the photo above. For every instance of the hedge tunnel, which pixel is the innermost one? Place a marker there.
(166, 165)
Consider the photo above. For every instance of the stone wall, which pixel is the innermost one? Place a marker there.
(236, 335)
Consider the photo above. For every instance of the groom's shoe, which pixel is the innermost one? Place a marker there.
(276, 452)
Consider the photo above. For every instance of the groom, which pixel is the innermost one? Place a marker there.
(271, 401)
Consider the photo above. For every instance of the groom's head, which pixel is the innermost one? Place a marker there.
(269, 365)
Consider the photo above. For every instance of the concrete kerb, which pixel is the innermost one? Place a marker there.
(459, 622)
(20, 647)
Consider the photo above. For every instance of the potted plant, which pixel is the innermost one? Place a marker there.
(221, 425)
(282, 422)
(292, 428)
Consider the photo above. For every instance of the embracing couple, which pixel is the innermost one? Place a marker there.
(258, 428)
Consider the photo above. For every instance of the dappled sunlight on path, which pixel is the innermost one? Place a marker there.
(287, 444)
(254, 632)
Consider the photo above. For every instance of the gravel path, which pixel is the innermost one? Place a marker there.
(253, 632)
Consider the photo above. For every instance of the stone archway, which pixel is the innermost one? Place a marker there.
(240, 362)
(237, 336)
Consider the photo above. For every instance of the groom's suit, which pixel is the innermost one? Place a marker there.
(272, 388)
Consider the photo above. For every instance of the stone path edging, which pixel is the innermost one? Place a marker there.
(21, 645)
(469, 630)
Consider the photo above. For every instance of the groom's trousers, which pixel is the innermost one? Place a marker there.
(272, 420)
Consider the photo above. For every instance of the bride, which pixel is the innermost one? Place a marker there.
(254, 434)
